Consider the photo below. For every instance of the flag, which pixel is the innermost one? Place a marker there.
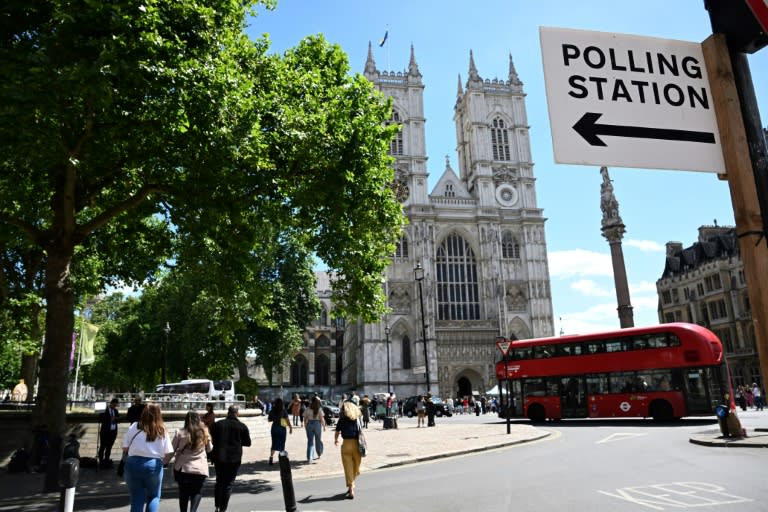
(384, 39)
(87, 336)
(72, 351)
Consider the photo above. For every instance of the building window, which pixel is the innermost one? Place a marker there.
(717, 309)
(323, 341)
(323, 318)
(405, 347)
(510, 248)
(396, 144)
(322, 370)
(700, 289)
(299, 371)
(457, 290)
(449, 192)
(712, 282)
(669, 318)
(401, 251)
(500, 140)
(666, 297)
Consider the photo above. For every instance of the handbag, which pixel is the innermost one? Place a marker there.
(361, 444)
(284, 422)
(121, 464)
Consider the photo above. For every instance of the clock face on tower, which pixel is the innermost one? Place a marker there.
(506, 195)
(400, 189)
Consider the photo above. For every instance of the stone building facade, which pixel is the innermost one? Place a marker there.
(704, 284)
(478, 238)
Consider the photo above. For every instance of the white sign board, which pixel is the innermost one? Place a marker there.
(629, 101)
(419, 369)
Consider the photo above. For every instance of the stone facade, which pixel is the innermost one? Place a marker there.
(704, 284)
(479, 237)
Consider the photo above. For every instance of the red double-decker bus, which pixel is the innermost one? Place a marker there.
(663, 371)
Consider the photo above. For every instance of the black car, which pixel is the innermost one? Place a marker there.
(409, 407)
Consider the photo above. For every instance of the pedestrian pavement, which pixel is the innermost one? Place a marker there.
(386, 448)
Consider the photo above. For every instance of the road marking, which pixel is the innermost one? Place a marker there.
(619, 437)
(677, 495)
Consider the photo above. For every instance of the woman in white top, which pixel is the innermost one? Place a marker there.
(314, 424)
(147, 444)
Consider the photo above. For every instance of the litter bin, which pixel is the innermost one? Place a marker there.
(721, 411)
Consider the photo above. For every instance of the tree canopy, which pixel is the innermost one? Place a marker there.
(140, 134)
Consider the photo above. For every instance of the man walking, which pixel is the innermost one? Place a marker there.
(107, 432)
(229, 435)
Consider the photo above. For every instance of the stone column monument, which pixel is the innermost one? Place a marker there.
(613, 231)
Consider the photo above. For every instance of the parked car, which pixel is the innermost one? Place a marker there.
(329, 409)
(409, 407)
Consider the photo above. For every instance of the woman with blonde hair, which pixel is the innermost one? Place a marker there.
(147, 444)
(191, 445)
(349, 429)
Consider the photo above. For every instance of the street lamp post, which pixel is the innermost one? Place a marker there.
(386, 334)
(167, 330)
(418, 274)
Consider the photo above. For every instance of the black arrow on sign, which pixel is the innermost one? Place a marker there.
(588, 128)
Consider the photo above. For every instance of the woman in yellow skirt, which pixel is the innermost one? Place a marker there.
(349, 429)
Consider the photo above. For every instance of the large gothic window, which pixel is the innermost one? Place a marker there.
(299, 371)
(457, 291)
(396, 144)
(405, 347)
(322, 370)
(510, 248)
(500, 140)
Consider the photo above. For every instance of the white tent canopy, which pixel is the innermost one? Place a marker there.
(494, 391)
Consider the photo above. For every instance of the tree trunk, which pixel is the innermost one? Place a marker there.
(50, 411)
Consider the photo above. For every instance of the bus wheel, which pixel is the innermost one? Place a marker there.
(536, 413)
(661, 410)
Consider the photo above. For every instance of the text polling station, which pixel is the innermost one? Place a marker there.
(629, 101)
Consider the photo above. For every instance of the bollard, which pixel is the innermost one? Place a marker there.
(69, 472)
(285, 477)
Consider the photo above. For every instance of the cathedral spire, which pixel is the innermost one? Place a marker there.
(370, 65)
(513, 78)
(472, 69)
(413, 68)
(460, 90)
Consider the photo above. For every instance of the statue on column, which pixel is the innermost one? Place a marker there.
(608, 203)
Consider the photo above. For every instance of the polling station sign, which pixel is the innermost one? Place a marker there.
(629, 101)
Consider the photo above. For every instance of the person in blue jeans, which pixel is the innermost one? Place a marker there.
(148, 446)
(314, 424)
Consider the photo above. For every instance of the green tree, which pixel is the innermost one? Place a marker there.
(130, 129)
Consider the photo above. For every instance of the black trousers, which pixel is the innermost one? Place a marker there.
(190, 490)
(225, 479)
(106, 440)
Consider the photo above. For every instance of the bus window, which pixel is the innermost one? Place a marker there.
(622, 382)
(597, 384)
(535, 387)
(613, 346)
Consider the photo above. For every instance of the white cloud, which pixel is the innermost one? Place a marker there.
(579, 262)
(645, 245)
(643, 287)
(589, 288)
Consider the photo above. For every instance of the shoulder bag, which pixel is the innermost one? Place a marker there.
(361, 444)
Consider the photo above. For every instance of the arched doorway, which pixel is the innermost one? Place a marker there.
(465, 387)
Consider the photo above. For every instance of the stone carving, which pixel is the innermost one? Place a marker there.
(608, 203)
(400, 299)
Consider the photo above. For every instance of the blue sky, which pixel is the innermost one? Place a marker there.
(656, 206)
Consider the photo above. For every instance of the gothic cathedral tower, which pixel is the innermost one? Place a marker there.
(477, 239)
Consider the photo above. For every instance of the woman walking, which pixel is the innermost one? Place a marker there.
(147, 444)
(191, 444)
(314, 423)
(280, 428)
(349, 429)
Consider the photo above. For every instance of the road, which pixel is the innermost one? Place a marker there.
(596, 466)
